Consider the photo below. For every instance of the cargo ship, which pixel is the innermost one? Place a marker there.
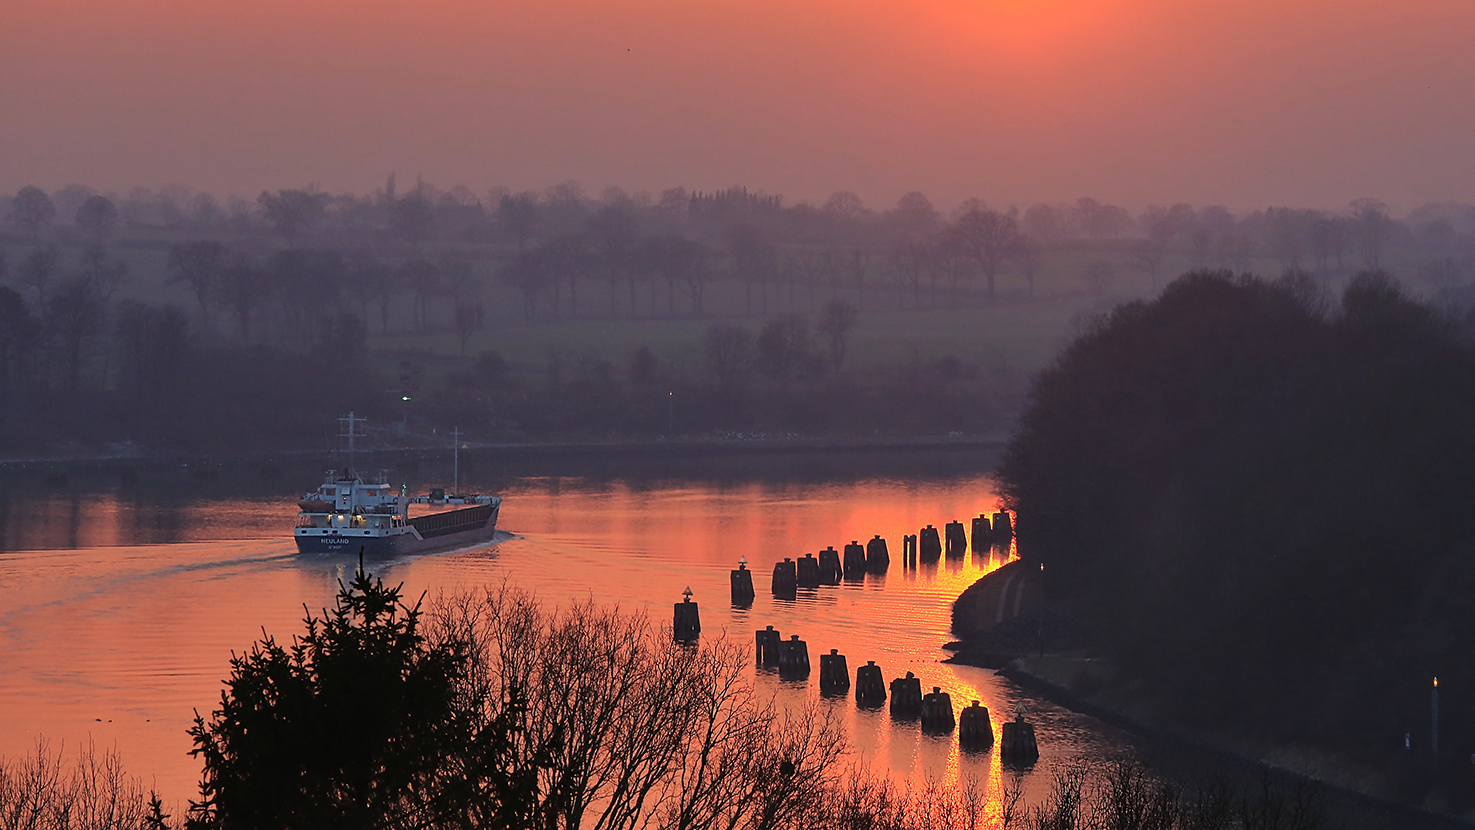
(348, 513)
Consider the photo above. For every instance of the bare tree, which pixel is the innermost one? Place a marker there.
(835, 322)
(620, 728)
(1372, 227)
(754, 259)
(38, 269)
(239, 289)
(294, 213)
(424, 279)
(729, 351)
(518, 216)
(1098, 277)
(198, 265)
(988, 239)
(107, 277)
(907, 265)
(469, 319)
(1027, 257)
(615, 237)
(74, 314)
(97, 217)
(32, 210)
(529, 273)
(413, 218)
(1147, 257)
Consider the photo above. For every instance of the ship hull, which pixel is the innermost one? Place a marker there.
(441, 531)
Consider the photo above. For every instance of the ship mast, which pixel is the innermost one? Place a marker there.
(456, 460)
(349, 432)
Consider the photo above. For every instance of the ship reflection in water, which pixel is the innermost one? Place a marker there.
(127, 623)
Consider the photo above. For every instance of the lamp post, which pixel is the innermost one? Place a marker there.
(1042, 609)
(405, 420)
(1434, 717)
(670, 411)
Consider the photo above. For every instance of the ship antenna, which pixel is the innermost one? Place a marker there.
(349, 432)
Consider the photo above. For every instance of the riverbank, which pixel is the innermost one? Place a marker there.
(1093, 686)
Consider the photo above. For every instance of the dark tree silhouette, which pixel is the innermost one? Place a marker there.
(293, 213)
(835, 323)
(198, 265)
(362, 722)
(97, 217)
(987, 239)
(32, 210)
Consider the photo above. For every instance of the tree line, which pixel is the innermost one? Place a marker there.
(658, 256)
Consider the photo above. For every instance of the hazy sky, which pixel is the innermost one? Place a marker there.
(1240, 102)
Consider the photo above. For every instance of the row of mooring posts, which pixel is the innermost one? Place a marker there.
(829, 568)
(929, 544)
(933, 710)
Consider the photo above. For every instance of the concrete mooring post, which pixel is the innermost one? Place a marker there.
(906, 697)
(855, 561)
(982, 534)
(878, 559)
(686, 622)
(793, 658)
(834, 675)
(1003, 527)
(807, 572)
(785, 579)
(930, 546)
(909, 551)
(870, 689)
(975, 732)
(742, 584)
(1018, 746)
(830, 571)
(766, 651)
(956, 540)
(937, 711)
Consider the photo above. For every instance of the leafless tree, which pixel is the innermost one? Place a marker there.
(835, 322)
(1147, 257)
(198, 265)
(469, 319)
(294, 213)
(32, 210)
(1372, 228)
(987, 239)
(1098, 277)
(907, 265)
(107, 277)
(1027, 258)
(75, 314)
(518, 216)
(38, 269)
(97, 217)
(44, 791)
(729, 352)
(622, 728)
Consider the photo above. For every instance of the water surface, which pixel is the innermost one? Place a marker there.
(121, 605)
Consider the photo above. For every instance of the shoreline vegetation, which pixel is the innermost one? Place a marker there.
(486, 709)
(1252, 500)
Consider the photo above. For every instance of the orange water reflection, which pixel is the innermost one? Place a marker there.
(120, 644)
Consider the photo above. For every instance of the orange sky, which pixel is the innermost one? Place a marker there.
(1246, 103)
